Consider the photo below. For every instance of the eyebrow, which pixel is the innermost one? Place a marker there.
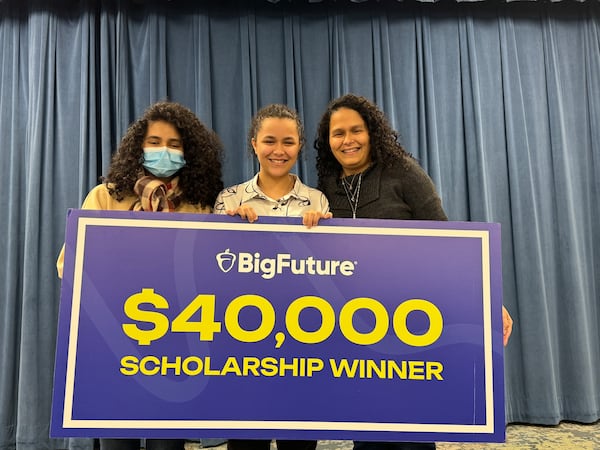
(174, 139)
(351, 127)
(270, 136)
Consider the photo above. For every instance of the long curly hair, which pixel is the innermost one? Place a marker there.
(199, 180)
(383, 139)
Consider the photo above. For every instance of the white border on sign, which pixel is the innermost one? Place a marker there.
(84, 222)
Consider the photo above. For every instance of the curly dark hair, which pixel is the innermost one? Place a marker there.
(200, 179)
(383, 139)
(278, 111)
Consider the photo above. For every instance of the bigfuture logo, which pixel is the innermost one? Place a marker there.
(281, 263)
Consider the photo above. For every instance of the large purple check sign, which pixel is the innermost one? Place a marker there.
(181, 325)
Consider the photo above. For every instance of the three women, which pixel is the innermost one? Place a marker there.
(169, 161)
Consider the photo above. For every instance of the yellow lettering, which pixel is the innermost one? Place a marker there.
(208, 370)
(435, 369)
(269, 367)
(343, 368)
(416, 370)
(378, 369)
(129, 365)
(166, 365)
(314, 365)
(393, 369)
(192, 360)
(292, 367)
(387, 369)
(436, 322)
(149, 359)
(231, 366)
(251, 364)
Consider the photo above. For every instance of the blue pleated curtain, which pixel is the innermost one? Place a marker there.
(500, 102)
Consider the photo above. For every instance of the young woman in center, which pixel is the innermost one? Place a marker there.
(276, 137)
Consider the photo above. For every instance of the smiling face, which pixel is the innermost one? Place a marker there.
(349, 140)
(276, 145)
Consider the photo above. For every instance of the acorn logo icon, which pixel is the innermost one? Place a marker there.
(226, 260)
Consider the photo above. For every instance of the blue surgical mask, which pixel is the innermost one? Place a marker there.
(162, 162)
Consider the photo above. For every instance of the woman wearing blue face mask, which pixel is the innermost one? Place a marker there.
(167, 161)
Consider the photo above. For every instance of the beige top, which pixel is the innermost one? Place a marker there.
(99, 198)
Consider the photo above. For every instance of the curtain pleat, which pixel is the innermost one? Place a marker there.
(12, 129)
(500, 104)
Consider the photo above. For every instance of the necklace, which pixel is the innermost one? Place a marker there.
(352, 192)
